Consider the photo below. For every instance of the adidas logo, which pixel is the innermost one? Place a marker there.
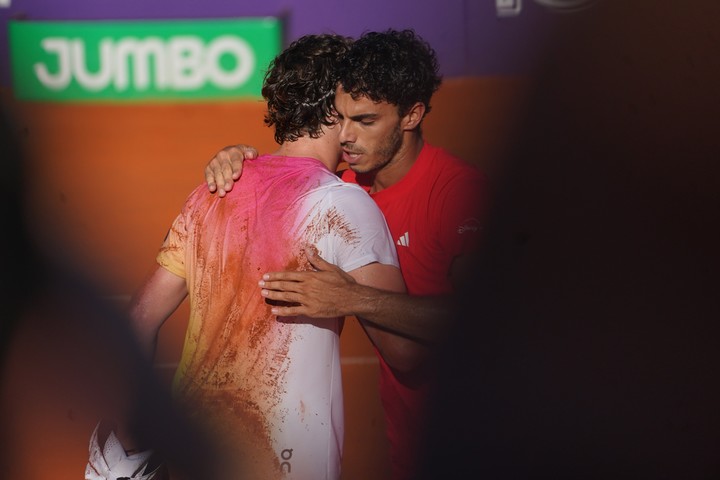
(404, 240)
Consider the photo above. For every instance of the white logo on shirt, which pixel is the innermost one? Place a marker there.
(404, 240)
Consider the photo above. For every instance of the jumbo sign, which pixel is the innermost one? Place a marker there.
(141, 60)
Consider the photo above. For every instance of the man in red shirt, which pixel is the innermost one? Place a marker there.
(433, 205)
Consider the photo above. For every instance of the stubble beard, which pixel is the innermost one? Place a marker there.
(385, 153)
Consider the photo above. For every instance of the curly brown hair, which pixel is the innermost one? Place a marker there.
(300, 86)
(394, 66)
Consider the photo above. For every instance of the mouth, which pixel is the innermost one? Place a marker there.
(350, 156)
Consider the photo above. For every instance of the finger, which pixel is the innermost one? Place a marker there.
(289, 311)
(237, 155)
(280, 286)
(237, 166)
(317, 261)
(290, 277)
(276, 296)
(221, 167)
(212, 186)
(210, 176)
(234, 166)
(248, 151)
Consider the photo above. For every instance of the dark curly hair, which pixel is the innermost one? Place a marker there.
(300, 86)
(393, 66)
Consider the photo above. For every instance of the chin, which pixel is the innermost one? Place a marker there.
(366, 167)
(357, 168)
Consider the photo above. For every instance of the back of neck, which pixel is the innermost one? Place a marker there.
(308, 147)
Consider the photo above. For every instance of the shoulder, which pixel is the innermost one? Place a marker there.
(350, 193)
(349, 202)
(197, 196)
(200, 201)
(450, 172)
(449, 164)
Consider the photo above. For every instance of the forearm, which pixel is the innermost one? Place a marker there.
(425, 319)
(374, 293)
(146, 332)
(157, 298)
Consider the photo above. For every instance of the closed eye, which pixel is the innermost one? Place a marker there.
(367, 119)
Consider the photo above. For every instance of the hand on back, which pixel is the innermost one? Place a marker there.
(312, 294)
(225, 168)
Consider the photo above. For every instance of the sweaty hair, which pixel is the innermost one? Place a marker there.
(299, 86)
(394, 66)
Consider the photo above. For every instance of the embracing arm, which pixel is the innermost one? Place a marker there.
(156, 299)
(414, 323)
(330, 292)
(225, 167)
(399, 352)
(420, 318)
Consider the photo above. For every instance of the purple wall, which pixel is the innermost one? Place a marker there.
(468, 36)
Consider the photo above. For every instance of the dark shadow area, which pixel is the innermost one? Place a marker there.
(587, 344)
(63, 343)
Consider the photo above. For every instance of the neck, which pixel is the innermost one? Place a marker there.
(400, 164)
(309, 147)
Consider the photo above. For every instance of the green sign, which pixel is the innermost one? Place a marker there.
(142, 60)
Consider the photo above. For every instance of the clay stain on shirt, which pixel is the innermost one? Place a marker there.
(331, 222)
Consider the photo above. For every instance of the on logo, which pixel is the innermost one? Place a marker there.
(286, 455)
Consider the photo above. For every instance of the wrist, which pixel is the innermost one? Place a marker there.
(364, 301)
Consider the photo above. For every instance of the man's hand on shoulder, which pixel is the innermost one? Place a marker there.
(224, 169)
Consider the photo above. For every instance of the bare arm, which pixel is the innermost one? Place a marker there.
(225, 168)
(330, 292)
(401, 353)
(156, 299)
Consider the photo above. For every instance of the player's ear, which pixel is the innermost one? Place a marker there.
(413, 117)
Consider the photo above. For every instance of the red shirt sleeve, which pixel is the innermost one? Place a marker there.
(462, 212)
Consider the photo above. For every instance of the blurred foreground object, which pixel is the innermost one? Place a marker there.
(110, 461)
(67, 356)
(591, 343)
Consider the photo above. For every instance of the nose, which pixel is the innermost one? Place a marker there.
(346, 131)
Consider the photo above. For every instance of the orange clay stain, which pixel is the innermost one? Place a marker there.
(302, 411)
(330, 222)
